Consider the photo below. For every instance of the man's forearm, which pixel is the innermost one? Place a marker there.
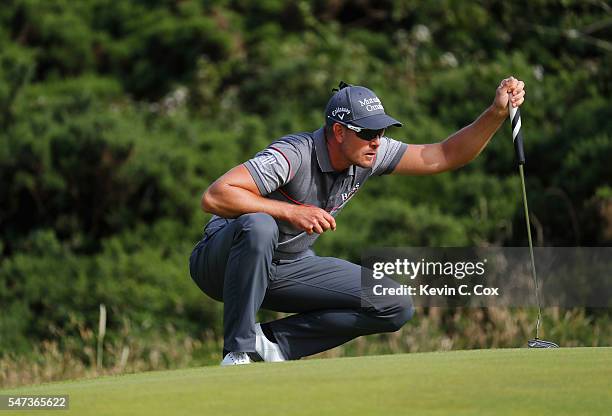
(232, 201)
(464, 145)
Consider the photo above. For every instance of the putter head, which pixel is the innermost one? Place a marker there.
(540, 343)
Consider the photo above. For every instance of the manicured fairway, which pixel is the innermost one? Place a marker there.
(572, 381)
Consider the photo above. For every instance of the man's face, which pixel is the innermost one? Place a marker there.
(358, 151)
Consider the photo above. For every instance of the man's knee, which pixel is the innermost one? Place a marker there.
(398, 313)
(404, 313)
(258, 229)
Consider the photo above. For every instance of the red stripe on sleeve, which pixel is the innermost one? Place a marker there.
(287, 159)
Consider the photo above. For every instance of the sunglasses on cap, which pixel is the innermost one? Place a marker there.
(364, 134)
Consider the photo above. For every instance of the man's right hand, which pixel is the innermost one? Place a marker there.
(311, 219)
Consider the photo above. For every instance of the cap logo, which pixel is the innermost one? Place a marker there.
(340, 112)
(372, 104)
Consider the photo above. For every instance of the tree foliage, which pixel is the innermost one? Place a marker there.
(115, 116)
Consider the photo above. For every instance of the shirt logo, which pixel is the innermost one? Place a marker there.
(346, 196)
(268, 160)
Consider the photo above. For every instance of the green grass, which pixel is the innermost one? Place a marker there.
(572, 381)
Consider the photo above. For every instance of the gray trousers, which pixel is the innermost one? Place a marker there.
(234, 264)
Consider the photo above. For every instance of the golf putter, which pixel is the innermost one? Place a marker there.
(517, 138)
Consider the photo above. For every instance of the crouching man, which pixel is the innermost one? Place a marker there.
(256, 251)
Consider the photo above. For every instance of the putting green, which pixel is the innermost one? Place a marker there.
(572, 381)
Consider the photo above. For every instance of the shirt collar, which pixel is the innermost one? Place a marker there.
(323, 153)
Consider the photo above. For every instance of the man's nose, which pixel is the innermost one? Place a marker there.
(374, 143)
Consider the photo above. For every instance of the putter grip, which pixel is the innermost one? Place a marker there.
(517, 135)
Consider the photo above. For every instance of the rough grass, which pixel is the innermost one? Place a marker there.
(570, 381)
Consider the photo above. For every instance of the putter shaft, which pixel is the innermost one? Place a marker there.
(533, 268)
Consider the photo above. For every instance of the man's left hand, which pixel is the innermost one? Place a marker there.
(511, 91)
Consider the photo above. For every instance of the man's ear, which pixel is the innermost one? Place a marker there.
(338, 132)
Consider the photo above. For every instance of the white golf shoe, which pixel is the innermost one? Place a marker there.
(268, 350)
(236, 358)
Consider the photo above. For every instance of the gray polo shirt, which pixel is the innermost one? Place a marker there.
(296, 169)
